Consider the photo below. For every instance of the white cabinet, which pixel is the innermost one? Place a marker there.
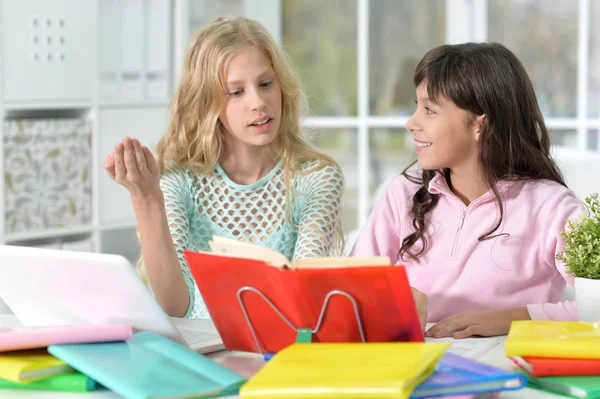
(135, 50)
(104, 63)
(112, 63)
(48, 51)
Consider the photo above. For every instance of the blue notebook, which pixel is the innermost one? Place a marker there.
(150, 366)
(456, 375)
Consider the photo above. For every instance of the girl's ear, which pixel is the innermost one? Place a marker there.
(479, 124)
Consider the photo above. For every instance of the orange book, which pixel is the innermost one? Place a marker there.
(298, 290)
(557, 367)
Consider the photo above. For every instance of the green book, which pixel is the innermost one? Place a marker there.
(71, 382)
(577, 387)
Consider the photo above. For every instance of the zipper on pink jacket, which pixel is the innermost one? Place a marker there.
(456, 237)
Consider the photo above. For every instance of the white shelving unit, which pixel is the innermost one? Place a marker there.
(97, 74)
(65, 59)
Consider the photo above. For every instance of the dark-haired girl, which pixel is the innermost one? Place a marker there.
(477, 222)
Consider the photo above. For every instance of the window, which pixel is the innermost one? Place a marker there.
(320, 37)
(400, 33)
(543, 35)
(391, 151)
(357, 68)
(594, 62)
(340, 144)
(356, 59)
(560, 48)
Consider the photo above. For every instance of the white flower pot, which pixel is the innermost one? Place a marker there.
(587, 294)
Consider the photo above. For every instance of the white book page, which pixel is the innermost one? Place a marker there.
(200, 334)
(226, 246)
(472, 348)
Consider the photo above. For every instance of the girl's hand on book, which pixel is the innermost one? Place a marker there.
(421, 305)
(135, 168)
(484, 324)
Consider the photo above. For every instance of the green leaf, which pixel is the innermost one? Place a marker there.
(581, 254)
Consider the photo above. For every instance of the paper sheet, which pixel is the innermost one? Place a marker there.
(200, 334)
(472, 348)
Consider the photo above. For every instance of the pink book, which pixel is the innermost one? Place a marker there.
(39, 337)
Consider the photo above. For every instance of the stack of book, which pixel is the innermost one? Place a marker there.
(556, 356)
(147, 365)
(376, 370)
(366, 342)
(95, 357)
(26, 364)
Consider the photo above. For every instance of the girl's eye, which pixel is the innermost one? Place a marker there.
(235, 93)
(428, 111)
(266, 84)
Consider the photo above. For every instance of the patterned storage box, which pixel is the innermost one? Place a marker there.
(47, 180)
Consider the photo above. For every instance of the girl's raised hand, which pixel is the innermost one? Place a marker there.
(135, 168)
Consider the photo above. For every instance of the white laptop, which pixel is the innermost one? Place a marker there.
(46, 287)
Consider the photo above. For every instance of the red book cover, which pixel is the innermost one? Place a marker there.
(383, 298)
(554, 367)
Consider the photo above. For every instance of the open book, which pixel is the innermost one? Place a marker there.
(229, 247)
(258, 299)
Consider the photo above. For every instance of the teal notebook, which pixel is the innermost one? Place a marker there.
(150, 366)
(577, 387)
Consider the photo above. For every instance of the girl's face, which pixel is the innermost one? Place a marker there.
(252, 110)
(445, 135)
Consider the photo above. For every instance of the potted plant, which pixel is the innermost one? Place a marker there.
(581, 256)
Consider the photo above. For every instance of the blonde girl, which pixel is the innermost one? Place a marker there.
(233, 163)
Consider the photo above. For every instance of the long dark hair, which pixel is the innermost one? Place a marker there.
(484, 78)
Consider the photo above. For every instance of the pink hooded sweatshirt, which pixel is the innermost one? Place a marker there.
(459, 273)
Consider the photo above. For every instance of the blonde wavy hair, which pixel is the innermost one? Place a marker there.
(195, 138)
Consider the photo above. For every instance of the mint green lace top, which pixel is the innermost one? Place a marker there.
(200, 206)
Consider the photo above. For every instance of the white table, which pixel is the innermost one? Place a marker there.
(247, 364)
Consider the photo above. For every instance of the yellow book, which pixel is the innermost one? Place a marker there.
(557, 339)
(345, 370)
(30, 365)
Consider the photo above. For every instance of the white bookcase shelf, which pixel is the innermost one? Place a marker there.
(48, 233)
(47, 105)
(118, 226)
(136, 104)
(113, 62)
(87, 59)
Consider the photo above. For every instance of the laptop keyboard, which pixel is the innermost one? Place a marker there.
(195, 337)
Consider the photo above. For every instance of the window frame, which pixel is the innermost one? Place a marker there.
(466, 20)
